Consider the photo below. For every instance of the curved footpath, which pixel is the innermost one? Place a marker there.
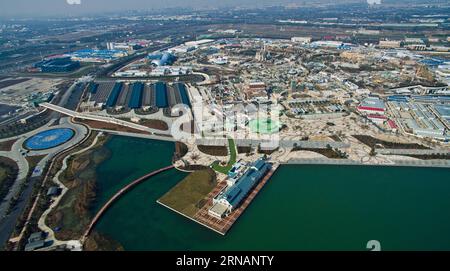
(16, 155)
(81, 135)
(41, 223)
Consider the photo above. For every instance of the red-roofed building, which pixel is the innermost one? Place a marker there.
(392, 125)
(371, 110)
(377, 118)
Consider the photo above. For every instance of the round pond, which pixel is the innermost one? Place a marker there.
(49, 139)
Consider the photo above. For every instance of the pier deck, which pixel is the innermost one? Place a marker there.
(223, 225)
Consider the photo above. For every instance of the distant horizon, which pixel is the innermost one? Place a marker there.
(22, 9)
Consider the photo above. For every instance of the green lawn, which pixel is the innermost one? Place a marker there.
(233, 155)
(188, 196)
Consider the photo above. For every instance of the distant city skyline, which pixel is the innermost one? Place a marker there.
(35, 8)
(71, 7)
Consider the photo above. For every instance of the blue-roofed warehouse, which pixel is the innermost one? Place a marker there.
(161, 95)
(57, 65)
(183, 93)
(443, 110)
(136, 95)
(398, 98)
(93, 88)
(114, 95)
(432, 62)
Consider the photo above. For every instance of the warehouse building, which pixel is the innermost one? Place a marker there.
(149, 97)
(114, 95)
(136, 95)
(386, 44)
(423, 116)
(161, 95)
(372, 105)
(443, 111)
(379, 119)
(93, 87)
(124, 97)
(183, 93)
(57, 65)
(99, 94)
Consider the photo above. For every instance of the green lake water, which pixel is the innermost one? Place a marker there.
(130, 159)
(302, 207)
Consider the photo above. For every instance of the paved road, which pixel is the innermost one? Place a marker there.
(22, 164)
(7, 222)
(17, 150)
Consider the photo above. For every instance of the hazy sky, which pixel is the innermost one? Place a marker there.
(61, 7)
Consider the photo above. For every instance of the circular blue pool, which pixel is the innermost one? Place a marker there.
(49, 139)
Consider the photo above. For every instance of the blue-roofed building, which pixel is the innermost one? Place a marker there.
(57, 65)
(431, 99)
(183, 93)
(398, 98)
(444, 111)
(234, 171)
(136, 95)
(165, 59)
(154, 56)
(161, 95)
(235, 195)
(114, 95)
(344, 47)
(432, 62)
(93, 88)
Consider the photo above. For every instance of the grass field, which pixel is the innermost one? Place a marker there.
(233, 155)
(264, 126)
(188, 196)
